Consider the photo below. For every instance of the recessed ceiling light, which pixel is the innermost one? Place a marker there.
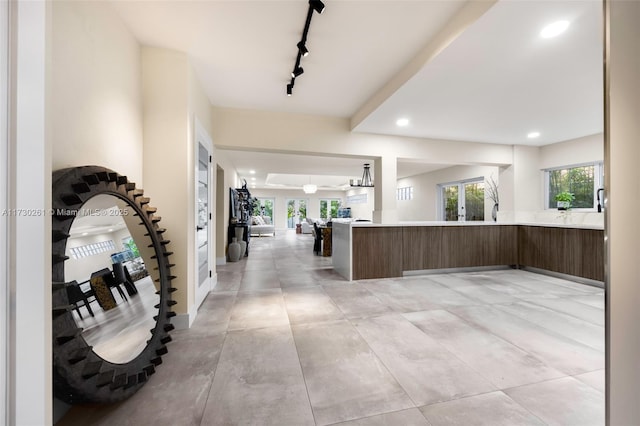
(110, 229)
(253, 172)
(554, 29)
(85, 234)
(253, 178)
(533, 135)
(402, 122)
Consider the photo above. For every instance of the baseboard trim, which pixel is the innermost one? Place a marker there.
(221, 261)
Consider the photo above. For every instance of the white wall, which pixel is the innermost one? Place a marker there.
(575, 151)
(361, 210)
(282, 195)
(28, 170)
(424, 205)
(82, 268)
(5, 309)
(96, 86)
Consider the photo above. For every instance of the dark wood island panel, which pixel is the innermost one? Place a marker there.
(439, 247)
(377, 252)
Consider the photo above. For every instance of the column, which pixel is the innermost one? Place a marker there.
(385, 177)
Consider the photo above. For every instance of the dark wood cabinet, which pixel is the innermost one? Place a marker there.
(388, 251)
(572, 251)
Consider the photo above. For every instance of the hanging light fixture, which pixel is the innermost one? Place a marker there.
(309, 188)
(366, 180)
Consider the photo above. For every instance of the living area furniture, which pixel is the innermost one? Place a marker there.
(262, 225)
(78, 298)
(317, 241)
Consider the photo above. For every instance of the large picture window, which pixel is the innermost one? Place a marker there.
(582, 181)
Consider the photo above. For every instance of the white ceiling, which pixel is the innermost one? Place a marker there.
(495, 83)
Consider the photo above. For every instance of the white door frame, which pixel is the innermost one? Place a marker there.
(4, 186)
(202, 138)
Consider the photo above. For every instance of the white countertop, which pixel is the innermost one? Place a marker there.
(469, 223)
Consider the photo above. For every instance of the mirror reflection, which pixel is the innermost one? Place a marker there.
(109, 272)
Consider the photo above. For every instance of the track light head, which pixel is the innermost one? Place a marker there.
(297, 72)
(317, 5)
(289, 89)
(302, 48)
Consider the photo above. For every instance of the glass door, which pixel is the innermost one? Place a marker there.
(462, 201)
(202, 227)
(296, 211)
(266, 207)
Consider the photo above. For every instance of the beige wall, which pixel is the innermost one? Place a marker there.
(622, 109)
(316, 134)
(96, 87)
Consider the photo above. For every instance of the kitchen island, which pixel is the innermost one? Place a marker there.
(364, 250)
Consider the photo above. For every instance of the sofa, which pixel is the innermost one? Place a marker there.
(261, 225)
(307, 225)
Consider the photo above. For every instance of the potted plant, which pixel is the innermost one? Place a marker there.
(564, 200)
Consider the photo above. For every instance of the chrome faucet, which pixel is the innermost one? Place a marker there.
(598, 198)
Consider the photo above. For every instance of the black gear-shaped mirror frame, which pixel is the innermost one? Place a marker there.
(79, 374)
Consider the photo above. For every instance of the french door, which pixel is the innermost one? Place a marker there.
(296, 211)
(462, 201)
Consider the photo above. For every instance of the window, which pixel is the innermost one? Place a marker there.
(265, 207)
(582, 181)
(404, 194)
(463, 200)
(328, 208)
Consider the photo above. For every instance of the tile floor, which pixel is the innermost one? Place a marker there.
(283, 341)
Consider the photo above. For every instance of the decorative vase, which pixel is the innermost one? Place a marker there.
(240, 238)
(494, 212)
(234, 250)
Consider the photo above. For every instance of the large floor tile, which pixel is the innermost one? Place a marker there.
(398, 297)
(258, 381)
(562, 402)
(214, 314)
(426, 370)
(491, 409)
(474, 287)
(310, 304)
(410, 417)
(345, 379)
(595, 379)
(259, 280)
(566, 325)
(502, 363)
(556, 351)
(438, 293)
(175, 394)
(569, 306)
(355, 301)
(258, 309)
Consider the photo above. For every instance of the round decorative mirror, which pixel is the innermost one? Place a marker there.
(111, 286)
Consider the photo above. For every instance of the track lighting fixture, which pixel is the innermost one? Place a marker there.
(297, 72)
(317, 5)
(303, 49)
(314, 5)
